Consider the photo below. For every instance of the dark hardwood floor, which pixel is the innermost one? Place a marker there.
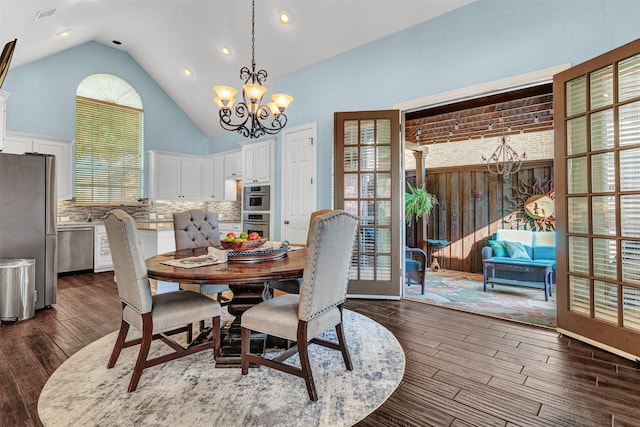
(461, 370)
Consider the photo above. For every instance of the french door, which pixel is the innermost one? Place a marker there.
(367, 149)
(597, 161)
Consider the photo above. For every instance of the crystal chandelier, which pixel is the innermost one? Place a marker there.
(504, 161)
(254, 120)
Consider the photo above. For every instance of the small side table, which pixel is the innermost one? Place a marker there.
(436, 253)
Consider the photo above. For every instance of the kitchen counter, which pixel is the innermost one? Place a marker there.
(155, 225)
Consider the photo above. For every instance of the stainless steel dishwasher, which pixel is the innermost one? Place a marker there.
(75, 249)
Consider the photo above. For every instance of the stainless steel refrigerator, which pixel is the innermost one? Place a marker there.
(28, 223)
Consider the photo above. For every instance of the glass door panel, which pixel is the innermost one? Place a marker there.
(597, 155)
(629, 78)
(368, 168)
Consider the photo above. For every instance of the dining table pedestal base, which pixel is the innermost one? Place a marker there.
(244, 297)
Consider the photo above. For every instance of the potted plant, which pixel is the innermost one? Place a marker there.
(418, 202)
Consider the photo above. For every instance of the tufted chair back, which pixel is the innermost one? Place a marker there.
(326, 273)
(128, 261)
(196, 228)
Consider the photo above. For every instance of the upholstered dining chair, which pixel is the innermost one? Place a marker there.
(293, 286)
(197, 228)
(154, 316)
(318, 307)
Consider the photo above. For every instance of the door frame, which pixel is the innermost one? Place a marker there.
(532, 78)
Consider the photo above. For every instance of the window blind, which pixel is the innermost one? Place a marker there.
(109, 139)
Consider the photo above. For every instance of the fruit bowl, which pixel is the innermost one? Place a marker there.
(243, 246)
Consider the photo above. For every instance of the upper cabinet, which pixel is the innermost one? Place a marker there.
(233, 164)
(257, 162)
(62, 149)
(213, 177)
(174, 176)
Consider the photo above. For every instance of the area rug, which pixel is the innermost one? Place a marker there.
(191, 392)
(463, 291)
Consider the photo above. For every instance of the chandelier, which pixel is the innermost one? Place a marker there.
(504, 161)
(253, 119)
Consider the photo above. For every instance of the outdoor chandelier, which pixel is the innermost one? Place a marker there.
(504, 161)
(253, 118)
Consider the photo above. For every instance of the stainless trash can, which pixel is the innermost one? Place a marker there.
(17, 289)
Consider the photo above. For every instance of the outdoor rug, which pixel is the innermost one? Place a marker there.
(190, 391)
(463, 291)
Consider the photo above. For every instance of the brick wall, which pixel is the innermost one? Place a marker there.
(537, 145)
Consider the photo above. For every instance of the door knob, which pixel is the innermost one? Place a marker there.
(286, 222)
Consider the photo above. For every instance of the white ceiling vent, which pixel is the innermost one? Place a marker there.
(45, 14)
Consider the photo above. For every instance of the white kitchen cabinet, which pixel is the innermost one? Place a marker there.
(213, 177)
(62, 149)
(229, 227)
(257, 162)
(233, 164)
(156, 242)
(101, 253)
(175, 176)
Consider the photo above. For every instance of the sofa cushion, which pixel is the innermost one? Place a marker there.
(523, 236)
(499, 248)
(516, 250)
(412, 265)
(544, 252)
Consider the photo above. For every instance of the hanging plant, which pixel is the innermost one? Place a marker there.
(418, 202)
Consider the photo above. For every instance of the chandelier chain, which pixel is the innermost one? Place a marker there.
(253, 36)
(250, 117)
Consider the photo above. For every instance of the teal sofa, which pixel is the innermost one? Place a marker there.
(521, 258)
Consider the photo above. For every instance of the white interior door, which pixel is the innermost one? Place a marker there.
(298, 181)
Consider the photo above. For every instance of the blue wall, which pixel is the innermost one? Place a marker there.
(42, 99)
(485, 41)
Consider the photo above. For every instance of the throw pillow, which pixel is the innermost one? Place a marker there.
(499, 248)
(516, 250)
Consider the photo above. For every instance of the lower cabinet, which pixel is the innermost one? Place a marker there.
(156, 242)
(101, 252)
(228, 227)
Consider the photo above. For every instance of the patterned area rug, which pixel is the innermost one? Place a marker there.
(191, 392)
(463, 291)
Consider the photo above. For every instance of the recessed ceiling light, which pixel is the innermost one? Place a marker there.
(64, 33)
(226, 50)
(187, 72)
(284, 17)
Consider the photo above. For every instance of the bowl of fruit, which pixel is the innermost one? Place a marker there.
(242, 242)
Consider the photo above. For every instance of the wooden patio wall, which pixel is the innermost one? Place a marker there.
(468, 221)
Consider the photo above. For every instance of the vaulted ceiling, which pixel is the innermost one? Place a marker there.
(166, 36)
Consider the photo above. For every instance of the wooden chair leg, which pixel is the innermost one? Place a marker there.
(245, 343)
(190, 332)
(119, 345)
(343, 347)
(305, 365)
(145, 344)
(215, 335)
(306, 370)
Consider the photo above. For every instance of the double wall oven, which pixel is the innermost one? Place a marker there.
(256, 204)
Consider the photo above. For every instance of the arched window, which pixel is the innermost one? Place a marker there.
(109, 142)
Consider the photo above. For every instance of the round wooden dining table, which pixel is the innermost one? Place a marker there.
(247, 280)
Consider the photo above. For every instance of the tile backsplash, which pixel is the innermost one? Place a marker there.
(228, 211)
